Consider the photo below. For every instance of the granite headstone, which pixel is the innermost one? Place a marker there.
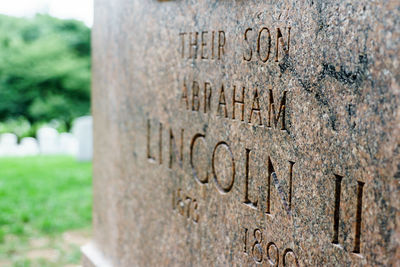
(243, 133)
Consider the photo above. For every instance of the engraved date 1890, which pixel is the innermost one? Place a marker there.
(255, 245)
(185, 205)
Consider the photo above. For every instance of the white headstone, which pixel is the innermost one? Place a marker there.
(68, 144)
(48, 140)
(8, 144)
(9, 139)
(28, 147)
(82, 129)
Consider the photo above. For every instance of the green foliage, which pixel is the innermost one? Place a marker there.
(19, 126)
(44, 69)
(23, 128)
(40, 199)
(44, 195)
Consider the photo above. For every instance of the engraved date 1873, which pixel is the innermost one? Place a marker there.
(185, 205)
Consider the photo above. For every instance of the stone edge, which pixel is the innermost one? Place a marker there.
(92, 257)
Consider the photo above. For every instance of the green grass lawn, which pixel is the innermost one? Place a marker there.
(41, 197)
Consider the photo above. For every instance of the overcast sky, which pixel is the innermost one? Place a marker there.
(76, 9)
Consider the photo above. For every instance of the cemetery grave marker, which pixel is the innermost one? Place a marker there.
(246, 133)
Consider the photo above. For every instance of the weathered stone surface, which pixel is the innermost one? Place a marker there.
(301, 167)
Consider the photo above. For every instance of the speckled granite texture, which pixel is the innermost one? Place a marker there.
(243, 133)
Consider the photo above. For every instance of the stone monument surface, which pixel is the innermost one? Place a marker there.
(244, 133)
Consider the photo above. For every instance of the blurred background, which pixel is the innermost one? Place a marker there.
(45, 131)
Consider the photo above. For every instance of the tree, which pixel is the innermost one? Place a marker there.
(44, 68)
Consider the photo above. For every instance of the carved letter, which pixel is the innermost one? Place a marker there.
(251, 51)
(221, 189)
(160, 143)
(192, 144)
(195, 96)
(193, 44)
(222, 102)
(259, 44)
(203, 44)
(239, 101)
(221, 44)
(173, 150)
(247, 201)
(336, 216)
(184, 97)
(255, 107)
(272, 112)
(279, 39)
(207, 96)
(182, 34)
(149, 156)
(286, 201)
(357, 237)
